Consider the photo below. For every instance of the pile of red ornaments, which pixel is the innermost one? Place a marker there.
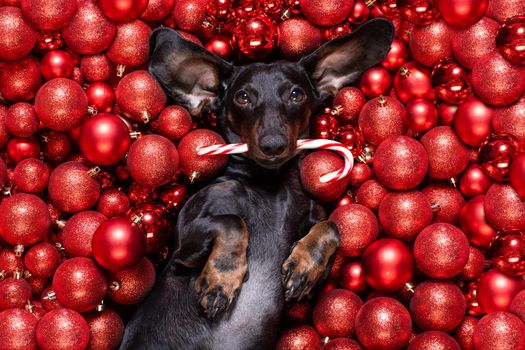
(95, 166)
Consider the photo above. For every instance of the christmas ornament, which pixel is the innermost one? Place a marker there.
(504, 208)
(174, 122)
(325, 126)
(511, 120)
(4, 134)
(473, 223)
(56, 64)
(44, 15)
(62, 329)
(446, 200)
(220, 46)
(131, 45)
(357, 227)
(359, 14)
(382, 118)
(298, 311)
(173, 196)
(397, 55)
(123, 10)
(387, 265)
(96, 68)
(337, 31)
(465, 331)
(101, 97)
(517, 306)
(18, 329)
(298, 37)
(20, 80)
(19, 38)
(113, 202)
(152, 222)
(383, 323)
(420, 12)
(18, 149)
(499, 330)
(446, 113)
(501, 10)
(106, 330)
(431, 43)
(133, 285)
(342, 344)
(400, 163)
(359, 174)
(462, 13)
(255, 37)
(299, 337)
(517, 174)
(375, 81)
(495, 155)
(413, 81)
(42, 260)
(352, 277)
(511, 38)
(78, 232)
(157, 10)
(451, 82)
(57, 146)
(189, 14)
(387, 8)
(350, 100)
(71, 187)
(14, 293)
(496, 290)
(31, 175)
(475, 265)
(326, 13)
(89, 32)
(473, 121)
(352, 138)
(507, 252)
(334, 314)
(420, 115)
(370, 194)
(10, 261)
(140, 97)
(433, 340)
(79, 284)
(474, 182)
(21, 120)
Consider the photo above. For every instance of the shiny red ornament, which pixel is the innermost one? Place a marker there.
(138, 193)
(381, 118)
(475, 265)
(42, 260)
(189, 14)
(360, 13)
(101, 97)
(140, 97)
(387, 8)
(334, 313)
(18, 329)
(106, 330)
(123, 10)
(19, 149)
(20, 120)
(499, 330)
(397, 55)
(14, 293)
(47, 41)
(400, 163)
(431, 43)
(174, 196)
(383, 323)
(352, 277)
(419, 12)
(474, 224)
(420, 115)
(79, 284)
(517, 174)
(78, 232)
(352, 138)
(298, 37)
(371, 194)
(337, 31)
(497, 81)
(255, 37)
(511, 120)
(71, 188)
(18, 37)
(387, 265)
(358, 228)
(299, 337)
(446, 201)
(511, 39)
(325, 126)
(20, 80)
(131, 45)
(433, 340)
(451, 82)
(349, 101)
(56, 64)
(152, 219)
(375, 81)
(62, 329)
(474, 182)
(324, 13)
(413, 81)
(462, 13)
(496, 290)
(220, 46)
(174, 122)
(495, 155)
(473, 121)
(96, 68)
(507, 252)
(131, 286)
(113, 202)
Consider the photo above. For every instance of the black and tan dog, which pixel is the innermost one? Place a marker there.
(252, 238)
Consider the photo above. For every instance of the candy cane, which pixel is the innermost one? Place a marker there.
(236, 148)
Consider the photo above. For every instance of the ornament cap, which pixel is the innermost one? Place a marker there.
(114, 286)
(19, 249)
(94, 171)
(120, 70)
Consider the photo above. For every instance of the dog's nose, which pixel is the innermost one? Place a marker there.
(272, 145)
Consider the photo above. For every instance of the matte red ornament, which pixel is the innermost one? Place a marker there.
(451, 82)
(131, 45)
(433, 340)
(113, 202)
(14, 293)
(517, 306)
(474, 182)
(101, 97)
(473, 121)
(496, 290)
(18, 149)
(71, 188)
(334, 314)
(133, 285)
(420, 115)
(42, 260)
(381, 118)
(46, 15)
(511, 38)
(123, 10)
(420, 12)
(370, 194)
(349, 100)
(78, 232)
(387, 265)
(62, 329)
(326, 13)
(375, 81)
(383, 323)
(400, 163)
(18, 329)
(325, 126)
(174, 122)
(189, 14)
(358, 228)
(152, 220)
(446, 113)
(20, 80)
(517, 174)
(255, 37)
(18, 37)
(21, 120)
(397, 55)
(504, 208)
(495, 155)
(413, 81)
(511, 120)
(56, 64)
(507, 252)
(475, 265)
(106, 330)
(462, 13)
(298, 37)
(140, 97)
(96, 68)
(499, 330)
(446, 201)
(299, 337)
(220, 46)
(474, 224)
(431, 43)
(352, 277)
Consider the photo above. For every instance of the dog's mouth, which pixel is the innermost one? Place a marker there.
(272, 163)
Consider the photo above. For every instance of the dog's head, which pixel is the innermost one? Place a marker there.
(267, 106)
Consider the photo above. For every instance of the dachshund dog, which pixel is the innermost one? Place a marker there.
(252, 238)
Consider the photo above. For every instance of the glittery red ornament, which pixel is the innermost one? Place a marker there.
(20, 80)
(420, 12)
(358, 228)
(501, 10)
(49, 300)
(475, 265)
(517, 174)
(131, 45)
(3, 174)
(350, 100)
(113, 202)
(474, 182)
(400, 163)
(383, 323)
(497, 81)
(499, 330)
(106, 330)
(96, 68)
(57, 146)
(255, 37)
(101, 97)
(298, 37)
(511, 38)
(511, 120)
(431, 43)
(495, 155)
(360, 173)
(62, 329)
(299, 337)
(123, 10)
(465, 331)
(174, 122)
(153, 222)
(21, 120)
(17, 329)
(334, 313)
(89, 32)
(441, 250)
(46, 15)
(10, 262)
(375, 81)
(397, 55)
(140, 97)
(4, 134)
(342, 344)
(157, 10)
(504, 208)
(446, 200)
(189, 14)
(19, 38)
(79, 284)
(324, 126)
(78, 232)
(496, 290)
(433, 340)
(133, 285)
(14, 292)
(517, 306)
(71, 188)
(370, 194)
(381, 118)
(326, 13)
(507, 252)
(420, 115)
(42, 260)
(413, 81)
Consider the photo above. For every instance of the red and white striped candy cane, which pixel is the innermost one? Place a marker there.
(236, 148)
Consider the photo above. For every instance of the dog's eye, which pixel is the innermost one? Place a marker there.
(242, 97)
(297, 95)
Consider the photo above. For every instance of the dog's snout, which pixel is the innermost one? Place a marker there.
(272, 145)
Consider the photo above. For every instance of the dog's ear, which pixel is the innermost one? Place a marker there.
(189, 73)
(341, 61)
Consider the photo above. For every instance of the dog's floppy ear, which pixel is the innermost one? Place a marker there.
(341, 61)
(188, 72)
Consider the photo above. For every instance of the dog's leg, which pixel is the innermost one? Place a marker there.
(309, 259)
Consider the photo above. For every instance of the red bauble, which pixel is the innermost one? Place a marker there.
(14, 293)
(4, 134)
(46, 15)
(420, 115)
(62, 329)
(89, 32)
(133, 285)
(96, 68)
(497, 81)
(79, 284)
(220, 45)
(106, 330)
(123, 10)
(359, 174)
(381, 118)
(20, 80)
(21, 120)
(441, 250)
(152, 220)
(19, 38)
(298, 37)
(474, 182)
(448, 201)
(431, 43)
(325, 126)
(446, 113)
(357, 226)
(157, 10)
(78, 232)
(104, 139)
(334, 314)
(433, 340)
(10, 262)
(101, 97)
(342, 344)
(517, 306)
(400, 163)
(153, 160)
(465, 331)
(71, 188)
(174, 122)
(413, 81)
(462, 13)
(511, 38)
(131, 45)
(370, 194)
(501, 10)
(360, 13)
(397, 55)
(495, 155)
(189, 14)
(420, 12)
(324, 13)
(31, 175)
(140, 97)
(499, 330)
(447, 155)
(113, 202)
(255, 37)
(507, 252)
(352, 277)
(385, 8)
(517, 174)
(473, 121)
(451, 82)
(24, 219)
(337, 31)
(42, 260)
(384, 324)
(18, 329)
(387, 265)
(313, 167)
(298, 311)
(511, 120)
(473, 223)
(118, 244)
(504, 208)
(3, 174)
(58, 146)
(201, 168)
(375, 81)
(56, 64)
(475, 265)
(299, 337)
(403, 215)
(19, 149)
(496, 290)
(350, 100)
